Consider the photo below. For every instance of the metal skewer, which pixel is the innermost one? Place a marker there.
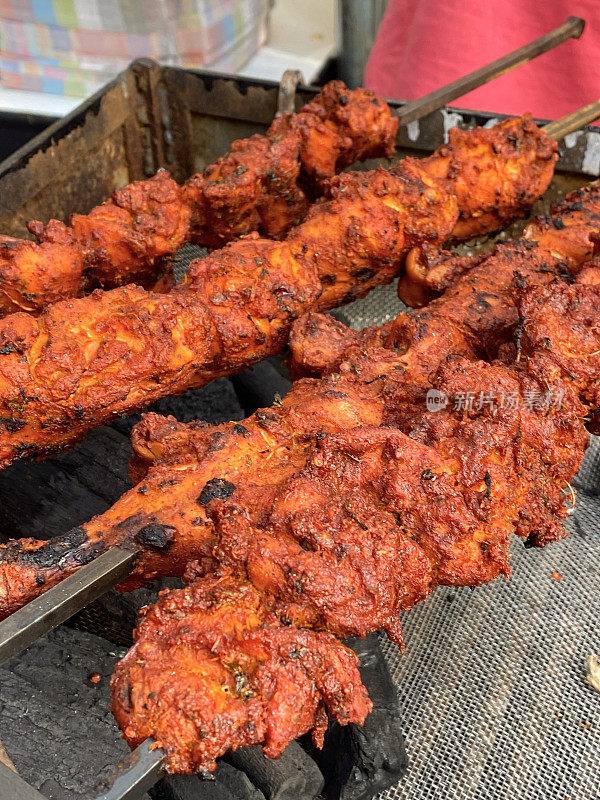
(68, 597)
(135, 775)
(15, 788)
(574, 121)
(572, 28)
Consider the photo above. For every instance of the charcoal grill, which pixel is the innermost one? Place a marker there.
(155, 117)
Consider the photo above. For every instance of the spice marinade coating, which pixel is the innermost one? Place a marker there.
(472, 319)
(376, 518)
(264, 183)
(329, 512)
(84, 362)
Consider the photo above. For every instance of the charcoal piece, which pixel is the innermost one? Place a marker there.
(292, 776)
(237, 782)
(217, 402)
(257, 387)
(48, 498)
(358, 761)
(55, 722)
(189, 787)
(228, 784)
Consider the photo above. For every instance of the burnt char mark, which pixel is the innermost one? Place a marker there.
(130, 522)
(11, 424)
(337, 395)
(89, 553)
(241, 430)
(488, 484)
(216, 489)
(8, 349)
(480, 303)
(155, 535)
(50, 554)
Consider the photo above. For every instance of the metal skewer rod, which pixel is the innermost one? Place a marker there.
(56, 605)
(572, 122)
(572, 28)
(13, 787)
(135, 775)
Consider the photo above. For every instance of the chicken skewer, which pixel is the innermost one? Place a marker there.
(83, 362)
(331, 404)
(375, 520)
(265, 183)
(204, 461)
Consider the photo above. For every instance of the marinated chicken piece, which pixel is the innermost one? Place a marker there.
(410, 350)
(498, 173)
(237, 676)
(337, 507)
(188, 466)
(567, 233)
(373, 521)
(561, 335)
(32, 275)
(83, 362)
(265, 183)
(475, 314)
(125, 239)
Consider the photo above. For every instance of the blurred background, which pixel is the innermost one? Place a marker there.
(54, 53)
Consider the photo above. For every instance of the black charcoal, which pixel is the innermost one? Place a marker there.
(55, 722)
(358, 761)
(228, 784)
(293, 776)
(261, 385)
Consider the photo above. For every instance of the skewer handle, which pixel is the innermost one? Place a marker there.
(572, 28)
(573, 121)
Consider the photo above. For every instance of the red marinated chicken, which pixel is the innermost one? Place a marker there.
(264, 183)
(236, 662)
(326, 514)
(83, 362)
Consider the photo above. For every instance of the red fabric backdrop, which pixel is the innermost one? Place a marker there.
(423, 44)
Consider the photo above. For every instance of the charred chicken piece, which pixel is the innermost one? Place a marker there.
(265, 183)
(373, 521)
(567, 233)
(125, 239)
(237, 676)
(561, 335)
(32, 274)
(515, 155)
(85, 361)
(475, 314)
(410, 350)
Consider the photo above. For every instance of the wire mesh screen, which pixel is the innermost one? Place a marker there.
(492, 684)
